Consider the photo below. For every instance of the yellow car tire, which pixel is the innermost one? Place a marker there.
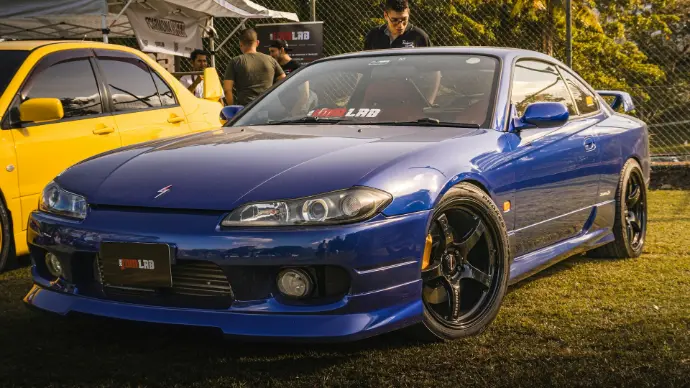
(6, 243)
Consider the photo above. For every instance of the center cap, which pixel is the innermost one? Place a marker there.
(450, 262)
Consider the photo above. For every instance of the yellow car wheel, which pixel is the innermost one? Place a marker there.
(6, 246)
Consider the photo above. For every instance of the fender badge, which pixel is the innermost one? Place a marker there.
(162, 191)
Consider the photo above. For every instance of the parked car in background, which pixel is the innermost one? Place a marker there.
(363, 210)
(62, 102)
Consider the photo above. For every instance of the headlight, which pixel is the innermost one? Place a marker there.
(338, 207)
(58, 201)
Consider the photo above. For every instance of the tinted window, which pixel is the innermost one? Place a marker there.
(535, 81)
(73, 82)
(131, 85)
(584, 99)
(385, 88)
(11, 60)
(167, 96)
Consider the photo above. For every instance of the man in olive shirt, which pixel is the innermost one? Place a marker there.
(251, 73)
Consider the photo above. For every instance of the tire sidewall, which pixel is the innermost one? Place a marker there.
(468, 194)
(631, 167)
(6, 230)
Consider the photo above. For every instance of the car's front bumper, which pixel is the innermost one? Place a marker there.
(381, 258)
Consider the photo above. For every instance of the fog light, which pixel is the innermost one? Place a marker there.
(53, 264)
(294, 283)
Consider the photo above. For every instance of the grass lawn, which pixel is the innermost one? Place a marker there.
(582, 322)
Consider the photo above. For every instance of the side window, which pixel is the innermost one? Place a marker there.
(73, 82)
(535, 81)
(130, 83)
(584, 99)
(167, 96)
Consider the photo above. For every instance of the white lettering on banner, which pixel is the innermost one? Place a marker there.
(166, 26)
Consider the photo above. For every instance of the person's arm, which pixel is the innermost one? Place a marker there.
(227, 88)
(192, 87)
(278, 72)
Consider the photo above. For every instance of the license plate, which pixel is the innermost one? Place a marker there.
(137, 265)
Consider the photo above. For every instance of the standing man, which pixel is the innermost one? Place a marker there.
(397, 32)
(251, 73)
(195, 83)
(278, 50)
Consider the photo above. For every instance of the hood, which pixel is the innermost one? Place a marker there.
(219, 170)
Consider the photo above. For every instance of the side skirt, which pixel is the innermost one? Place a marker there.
(596, 232)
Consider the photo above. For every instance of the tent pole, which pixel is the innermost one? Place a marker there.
(105, 29)
(212, 44)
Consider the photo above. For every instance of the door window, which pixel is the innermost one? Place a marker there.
(167, 96)
(536, 81)
(584, 99)
(130, 83)
(72, 82)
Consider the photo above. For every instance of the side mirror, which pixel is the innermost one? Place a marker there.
(229, 112)
(620, 99)
(41, 109)
(542, 115)
(213, 90)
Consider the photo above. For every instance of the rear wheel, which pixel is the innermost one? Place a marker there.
(630, 226)
(467, 275)
(6, 245)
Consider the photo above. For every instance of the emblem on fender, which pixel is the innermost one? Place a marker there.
(162, 191)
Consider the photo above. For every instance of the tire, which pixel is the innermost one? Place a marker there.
(6, 240)
(624, 246)
(461, 201)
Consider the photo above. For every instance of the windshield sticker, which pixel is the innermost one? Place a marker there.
(344, 112)
(379, 62)
(473, 61)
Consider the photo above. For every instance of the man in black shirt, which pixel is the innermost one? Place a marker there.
(398, 32)
(279, 51)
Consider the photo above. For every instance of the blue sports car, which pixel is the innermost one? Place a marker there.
(366, 193)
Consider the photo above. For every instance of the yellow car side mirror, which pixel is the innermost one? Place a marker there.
(41, 109)
(213, 90)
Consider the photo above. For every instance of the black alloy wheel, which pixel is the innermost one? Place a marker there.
(630, 225)
(467, 274)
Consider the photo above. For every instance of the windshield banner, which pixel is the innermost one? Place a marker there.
(305, 40)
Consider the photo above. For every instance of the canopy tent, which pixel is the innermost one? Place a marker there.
(160, 26)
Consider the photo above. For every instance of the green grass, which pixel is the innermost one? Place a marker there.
(583, 322)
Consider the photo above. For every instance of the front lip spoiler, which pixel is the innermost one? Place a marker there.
(273, 327)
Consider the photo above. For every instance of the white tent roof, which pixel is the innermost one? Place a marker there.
(78, 19)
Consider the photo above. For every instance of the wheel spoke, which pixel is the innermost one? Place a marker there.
(452, 287)
(466, 245)
(634, 222)
(446, 229)
(634, 197)
(471, 272)
(434, 271)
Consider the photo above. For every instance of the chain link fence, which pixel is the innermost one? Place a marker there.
(628, 50)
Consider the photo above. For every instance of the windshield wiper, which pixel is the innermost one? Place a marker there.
(427, 122)
(308, 120)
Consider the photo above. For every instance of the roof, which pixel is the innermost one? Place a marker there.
(24, 44)
(500, 52)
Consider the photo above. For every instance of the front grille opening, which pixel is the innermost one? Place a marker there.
(195, 284)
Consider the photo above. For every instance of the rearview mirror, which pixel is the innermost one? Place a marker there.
(620, 100)
(229, 112)
(213, 90)
(543, 115)
(41, 109)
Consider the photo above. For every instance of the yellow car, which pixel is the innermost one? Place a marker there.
(64, 101)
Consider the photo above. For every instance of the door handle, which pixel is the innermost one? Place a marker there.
(589, 144)
(103, 130)
(175, 119)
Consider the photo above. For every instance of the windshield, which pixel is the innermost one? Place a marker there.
(11, 61)
(453, 89)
